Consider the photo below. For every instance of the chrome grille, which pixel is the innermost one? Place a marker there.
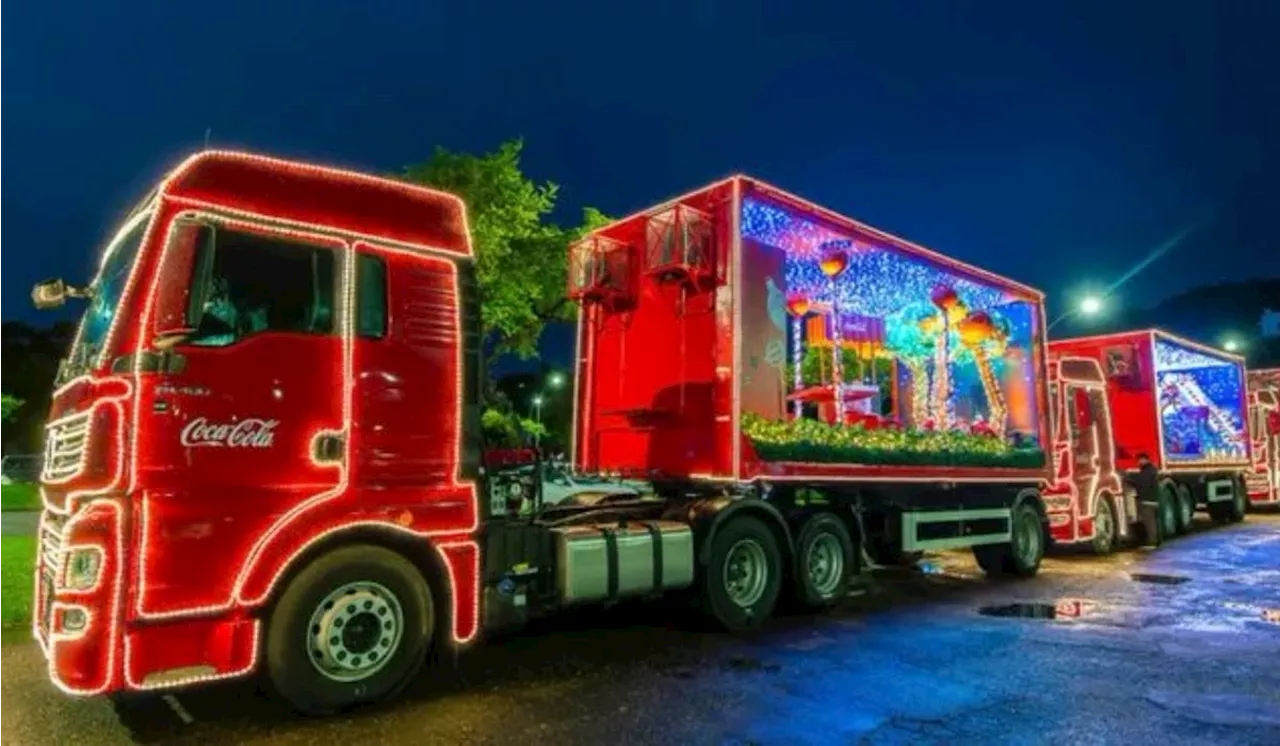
(65, 443)
(51, 528)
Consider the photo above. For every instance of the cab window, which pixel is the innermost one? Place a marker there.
(247, 283)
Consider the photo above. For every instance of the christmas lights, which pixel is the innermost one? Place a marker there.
(810, 441)
(1104, 479)
(127, 451)
(1201, 404)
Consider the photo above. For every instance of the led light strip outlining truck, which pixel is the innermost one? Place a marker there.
(1263, 480)
(264, 454)
(1181, 403)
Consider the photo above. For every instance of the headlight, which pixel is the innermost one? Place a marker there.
(83, 566)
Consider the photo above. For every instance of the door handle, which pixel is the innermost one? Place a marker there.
(328, 448)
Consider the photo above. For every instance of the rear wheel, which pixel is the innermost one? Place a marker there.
(1167, 511)
(1186, 507)
(1239, 501)
(824, 560)
(1021, 556)
(741, 582)
(1104, 527)
(352, 628)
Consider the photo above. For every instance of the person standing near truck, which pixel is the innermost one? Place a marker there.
(1146, 481)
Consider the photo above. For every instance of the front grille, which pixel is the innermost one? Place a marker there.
(65, 443)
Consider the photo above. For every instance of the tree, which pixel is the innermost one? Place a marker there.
(520, 254)
(11, 404)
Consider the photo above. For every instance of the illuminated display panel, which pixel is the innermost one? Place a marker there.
(855, 351)
(1201, 400)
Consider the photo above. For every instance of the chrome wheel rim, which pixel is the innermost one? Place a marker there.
(825, 563)
(354, 631)
(746, 572)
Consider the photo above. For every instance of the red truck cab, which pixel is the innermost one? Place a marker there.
(248, 385)
(1085, 499)
(1263, 480)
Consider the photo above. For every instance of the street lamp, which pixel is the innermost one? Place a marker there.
(1089, 305)
(555, 380)
(1231, 344)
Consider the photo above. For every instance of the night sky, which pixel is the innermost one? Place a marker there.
(1054, 142)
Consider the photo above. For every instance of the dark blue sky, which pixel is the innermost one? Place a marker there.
(1054, 142)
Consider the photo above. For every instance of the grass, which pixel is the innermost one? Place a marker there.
(20, 496)
(17, 570)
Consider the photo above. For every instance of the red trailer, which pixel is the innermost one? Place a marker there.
(1183, 406)
(741, 337)
(1263, 480)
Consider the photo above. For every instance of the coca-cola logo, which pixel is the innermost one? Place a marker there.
(250, 433)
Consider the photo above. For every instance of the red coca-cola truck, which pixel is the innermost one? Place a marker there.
(1263, 479)
(1181, 405)
(264, 452)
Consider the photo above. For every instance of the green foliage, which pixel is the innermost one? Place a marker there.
(509, 430)
(812, 441)
(18, 554)
(520, 255)
(10, 407)
(20, 496)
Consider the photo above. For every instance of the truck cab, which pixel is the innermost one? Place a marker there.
(246, 385)
(1085, 500)
(1263, 479)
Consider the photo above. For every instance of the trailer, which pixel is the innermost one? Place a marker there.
(1181, 406)
(1263, 480)
(265, 451)
(741, 339)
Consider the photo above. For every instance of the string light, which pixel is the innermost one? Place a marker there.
(1201, 400)
(178, 200)
(1063, 491)
(1264, 399)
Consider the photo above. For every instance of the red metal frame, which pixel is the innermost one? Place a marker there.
(185, 575)
(680, 414)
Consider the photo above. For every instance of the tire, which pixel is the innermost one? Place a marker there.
(1104, 527)
(1239, 502)
(1167, 511)
(1186, 507)
(318, 651)
(743, 577)
(824, 560)
(1020, 557)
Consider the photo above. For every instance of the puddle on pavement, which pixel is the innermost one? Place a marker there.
(1145, 577)
(1067, 609)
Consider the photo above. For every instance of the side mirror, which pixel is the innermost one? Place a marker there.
(53, 293)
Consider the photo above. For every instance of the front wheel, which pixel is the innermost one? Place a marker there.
(1021, 556)
(1104, 527)
(741, 582)
(352, 628)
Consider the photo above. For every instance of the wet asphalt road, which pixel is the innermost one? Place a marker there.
(1171, 646)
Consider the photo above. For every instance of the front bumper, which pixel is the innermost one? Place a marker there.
(78, 626)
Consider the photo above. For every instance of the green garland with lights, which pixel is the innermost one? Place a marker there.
(812, 441)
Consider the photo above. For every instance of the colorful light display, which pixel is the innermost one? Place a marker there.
(952, 338)
(1201, 400)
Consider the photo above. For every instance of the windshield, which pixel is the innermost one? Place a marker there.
(106, 292)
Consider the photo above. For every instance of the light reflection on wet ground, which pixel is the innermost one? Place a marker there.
(1093, 651)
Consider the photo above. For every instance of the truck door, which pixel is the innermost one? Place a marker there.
(245, 417)
(1084, 450)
